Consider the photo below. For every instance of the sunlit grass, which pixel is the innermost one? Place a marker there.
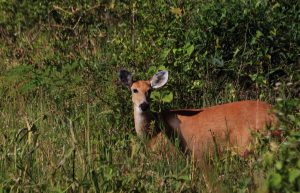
(46, 148)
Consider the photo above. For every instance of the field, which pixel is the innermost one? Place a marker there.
(66, 122)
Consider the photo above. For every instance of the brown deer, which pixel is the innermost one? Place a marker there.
(198, 130)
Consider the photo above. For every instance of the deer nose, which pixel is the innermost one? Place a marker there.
(144, 106)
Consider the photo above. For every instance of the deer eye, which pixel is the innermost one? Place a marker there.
(135, 90)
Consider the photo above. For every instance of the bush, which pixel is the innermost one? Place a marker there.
(59, 64)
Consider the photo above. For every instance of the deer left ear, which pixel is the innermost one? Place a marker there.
(125, 78)
(159, 79)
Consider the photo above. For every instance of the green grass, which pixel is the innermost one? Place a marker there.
(77, 149)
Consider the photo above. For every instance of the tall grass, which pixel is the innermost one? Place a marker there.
(48, 148)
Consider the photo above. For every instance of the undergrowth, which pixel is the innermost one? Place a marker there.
(66, 124)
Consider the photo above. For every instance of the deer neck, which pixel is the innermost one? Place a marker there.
(145, 123)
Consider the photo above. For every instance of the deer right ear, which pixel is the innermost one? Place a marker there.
(159, 79)
(125, 78)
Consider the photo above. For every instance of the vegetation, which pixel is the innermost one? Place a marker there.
(66, 122)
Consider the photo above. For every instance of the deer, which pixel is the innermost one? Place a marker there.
(198, 130)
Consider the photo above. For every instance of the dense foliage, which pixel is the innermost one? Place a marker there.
(59, 62)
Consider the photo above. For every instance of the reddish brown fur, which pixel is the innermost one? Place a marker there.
(143, 87)
(200, 130)
(230, 124)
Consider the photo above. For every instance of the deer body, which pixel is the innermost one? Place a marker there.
(198, 130)
(229, 125)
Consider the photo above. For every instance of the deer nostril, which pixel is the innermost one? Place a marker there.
(144, 106)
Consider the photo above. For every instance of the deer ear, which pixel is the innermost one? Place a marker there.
(159, 79)
(125, 78)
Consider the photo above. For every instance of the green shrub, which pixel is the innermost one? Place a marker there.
(59, 70)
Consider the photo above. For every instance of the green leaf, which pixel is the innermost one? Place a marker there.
(165, 53)
(151, 70)
(278, 165)
(184, 177)
(268, 158)
(155, 95)
(275, 180)
(256, 37)
(190, 49)
(293, 174)
(174, 51)
(258, 34)
(161, 67)
(168, 98)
